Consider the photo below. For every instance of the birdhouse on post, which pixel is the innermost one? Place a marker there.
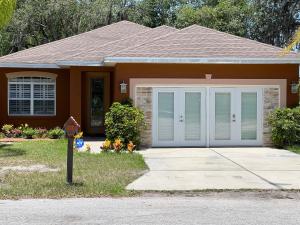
(71, 128)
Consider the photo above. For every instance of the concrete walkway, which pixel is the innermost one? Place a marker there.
(219, 168)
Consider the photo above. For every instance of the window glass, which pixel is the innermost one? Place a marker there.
(31, 96)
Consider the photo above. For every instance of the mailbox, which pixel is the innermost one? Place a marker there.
(71, 127)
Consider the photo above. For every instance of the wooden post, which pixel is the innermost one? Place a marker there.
(70, 161)
(71, 128)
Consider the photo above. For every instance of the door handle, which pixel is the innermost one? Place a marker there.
(181, 118)
(233, 118)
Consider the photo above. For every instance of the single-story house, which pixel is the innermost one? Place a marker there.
(197, 86)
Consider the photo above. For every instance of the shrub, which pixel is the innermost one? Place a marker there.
(2, 135)
(16, 133)
(124, 122)
(22, 127)
(285, 125)
(29, 133)
(7, 128)
(56, 133)
(41, 132)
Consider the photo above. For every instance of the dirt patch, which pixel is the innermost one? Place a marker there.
(32, 168)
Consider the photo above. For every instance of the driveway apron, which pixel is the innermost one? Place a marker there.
(185, 169)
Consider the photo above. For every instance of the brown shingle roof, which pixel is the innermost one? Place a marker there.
(201, 42)
(59, 50)
(129, 40)
(98, 53)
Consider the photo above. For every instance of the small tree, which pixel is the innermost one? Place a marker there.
(7, 8)
(125, 122)
(295, 40)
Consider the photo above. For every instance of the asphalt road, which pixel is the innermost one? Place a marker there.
(153, 210)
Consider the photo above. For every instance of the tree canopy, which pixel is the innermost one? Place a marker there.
(37, 22)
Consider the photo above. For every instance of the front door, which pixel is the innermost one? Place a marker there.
(235, 116)
(97, 93)
(179, 115)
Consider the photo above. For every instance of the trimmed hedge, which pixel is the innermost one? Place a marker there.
(285, 125)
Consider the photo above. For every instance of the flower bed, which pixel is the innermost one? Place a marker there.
(10, 133)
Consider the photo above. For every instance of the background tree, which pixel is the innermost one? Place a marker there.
(273, 21)
(225, 15)
(154, 13)
(37, 22)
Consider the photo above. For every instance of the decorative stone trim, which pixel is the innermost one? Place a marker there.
(144, 103)
(271, 102)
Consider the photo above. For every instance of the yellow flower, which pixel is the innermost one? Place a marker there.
(118, 145)
(130, 147)
(79, 135)
(106, 145)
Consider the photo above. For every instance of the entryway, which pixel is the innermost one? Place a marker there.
(207, 116)
(98, 100)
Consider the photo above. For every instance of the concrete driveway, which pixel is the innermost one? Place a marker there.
(219, 168)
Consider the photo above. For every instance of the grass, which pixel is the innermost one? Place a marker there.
(94, 175)
(295, 149)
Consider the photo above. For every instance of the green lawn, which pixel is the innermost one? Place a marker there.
(295, 149)
(94, 175)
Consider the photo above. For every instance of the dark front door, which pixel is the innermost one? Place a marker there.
(97, 101)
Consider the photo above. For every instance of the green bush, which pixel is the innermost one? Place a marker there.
(285, 125)
(7, 128)
(56, 133)
(124, 122)
(29, 133)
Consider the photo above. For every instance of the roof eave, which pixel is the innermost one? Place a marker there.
(67, 64)
(30, 65)
(110, 61)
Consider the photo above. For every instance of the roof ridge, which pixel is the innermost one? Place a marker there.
(147, 42)
(71, 37)
(236, 36)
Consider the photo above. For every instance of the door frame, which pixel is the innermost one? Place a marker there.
(106, 100)
(236, 108)
(208, 116)
(179, 128)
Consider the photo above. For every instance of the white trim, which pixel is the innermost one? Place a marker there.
(30, 65)
(32, 99)
(67, 64)
(31, 74)
(179, 118)
(235, 137)
(214, 60)
(207, 118)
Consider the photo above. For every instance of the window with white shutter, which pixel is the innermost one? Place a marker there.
(32, 96)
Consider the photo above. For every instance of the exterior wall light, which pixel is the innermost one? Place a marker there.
(294, 88)
(123, 87)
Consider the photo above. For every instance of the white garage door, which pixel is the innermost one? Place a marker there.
(207, 117)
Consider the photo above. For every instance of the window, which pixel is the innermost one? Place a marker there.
(31, 96)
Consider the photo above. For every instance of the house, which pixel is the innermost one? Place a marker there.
(196, 86)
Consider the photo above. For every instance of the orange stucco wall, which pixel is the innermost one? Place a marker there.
(62, 101)
(72, 101)
(193, 71)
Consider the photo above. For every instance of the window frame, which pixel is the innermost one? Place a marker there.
(32, 99)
